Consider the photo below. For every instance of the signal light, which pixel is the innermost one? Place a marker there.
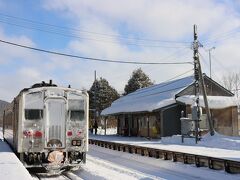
(76, 142)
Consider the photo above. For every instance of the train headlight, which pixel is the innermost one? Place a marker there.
(76, 142)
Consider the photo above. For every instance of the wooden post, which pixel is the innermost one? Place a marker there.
(105, 126)
(3, 123)
(129, 123)
(148, 126)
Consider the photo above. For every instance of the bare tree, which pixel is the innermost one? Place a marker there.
(231, 82)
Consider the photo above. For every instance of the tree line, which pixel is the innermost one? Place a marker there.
(106, 94)
(102, 94)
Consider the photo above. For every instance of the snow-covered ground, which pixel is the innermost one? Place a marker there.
(219, 146)
(10, 166)
(107, 164)
(216, 141)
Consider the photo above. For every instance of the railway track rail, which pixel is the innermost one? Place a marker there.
(229, 166)
(62, 176)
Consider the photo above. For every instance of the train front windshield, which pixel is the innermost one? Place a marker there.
(77, 115)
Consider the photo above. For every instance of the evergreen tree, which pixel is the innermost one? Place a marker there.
(105, 95)
(138, 80)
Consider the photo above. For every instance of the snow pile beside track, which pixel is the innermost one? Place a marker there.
(221, 141)
(216, 141)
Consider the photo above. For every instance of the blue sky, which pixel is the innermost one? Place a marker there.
(33, 10)
(136, 30)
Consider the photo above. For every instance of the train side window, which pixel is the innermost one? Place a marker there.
(76, 115)
(33, 114)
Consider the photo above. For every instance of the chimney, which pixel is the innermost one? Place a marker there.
(50, 82)
(69, 86)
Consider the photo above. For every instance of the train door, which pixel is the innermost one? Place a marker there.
(55, 117)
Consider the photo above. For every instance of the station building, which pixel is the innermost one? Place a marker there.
(155, 111)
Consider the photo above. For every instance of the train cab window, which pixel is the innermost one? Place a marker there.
(33, 114)
(76, 115)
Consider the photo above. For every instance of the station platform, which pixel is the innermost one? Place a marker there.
(10, 166)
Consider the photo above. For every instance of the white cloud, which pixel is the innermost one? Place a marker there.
(20, 67)
(29, 73)
(9, 52)
(146, 19)
(169, 20)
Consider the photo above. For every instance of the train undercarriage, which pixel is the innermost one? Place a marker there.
(54, 161)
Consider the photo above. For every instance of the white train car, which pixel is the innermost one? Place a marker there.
(47, 126)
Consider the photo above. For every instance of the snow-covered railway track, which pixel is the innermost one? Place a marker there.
(66, 177)
(108, 164)
(200, 161)
(63, 176)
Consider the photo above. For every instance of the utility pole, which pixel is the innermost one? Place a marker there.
(196, 84)
(199, 80)
(210, 60)
(95, 104)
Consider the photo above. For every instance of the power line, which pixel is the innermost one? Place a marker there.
(218, 62)
(223, 38)
(78, 30)
(90, 58)
(222, 35)
(179, 55)
(112, 41)
(204, 60)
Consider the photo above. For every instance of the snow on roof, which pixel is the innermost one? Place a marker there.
(214, 102)
(150, 98)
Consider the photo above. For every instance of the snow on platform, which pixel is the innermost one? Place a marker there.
(10, 166)
(218, 146)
